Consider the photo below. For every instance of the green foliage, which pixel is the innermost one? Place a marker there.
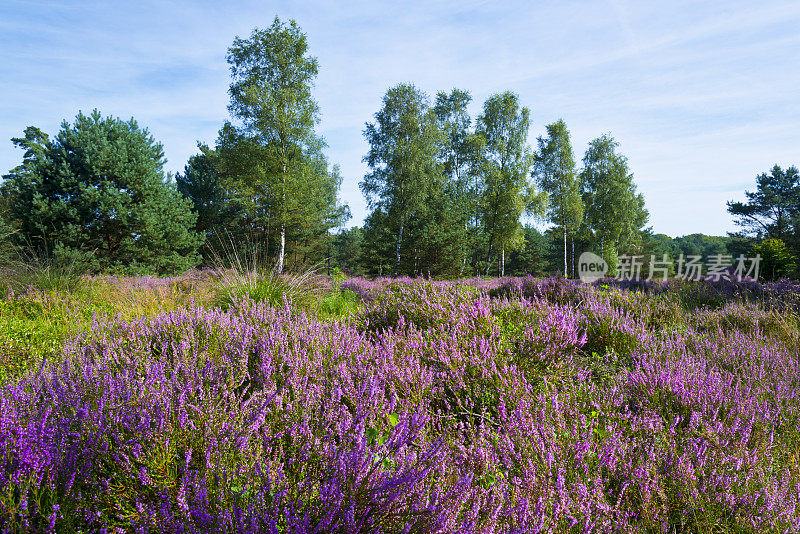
(507, 193)
(404, 144)
(438, 207)
(777, 260)
(455, 224)
(702, 245)
(245, 275)
(8, 251)
(97, 194)
(30, 331)
(447, 200)
(260, 287)
(554, 169)
(202, 183)
(46, 275)
(272, 158)
(348, 250)
(771, 213)
(609, 337)
(615, 213)
(773, 208)
(739, 245)
(378, 247)
(50, 304)
(531, 257)
(337, 304)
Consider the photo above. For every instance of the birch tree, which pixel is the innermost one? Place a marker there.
(615, 212)
(506, 192)
(555, 172)
(275, 113)
(404, 144)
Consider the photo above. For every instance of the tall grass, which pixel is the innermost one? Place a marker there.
(246, 273)
(27, 271)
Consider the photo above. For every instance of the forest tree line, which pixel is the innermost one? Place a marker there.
(449, 194)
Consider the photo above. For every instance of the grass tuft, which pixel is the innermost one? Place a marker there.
(44, 274)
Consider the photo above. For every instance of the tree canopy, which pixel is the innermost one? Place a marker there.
(404, 143)
(554, 168)
(448, 193)
(507, 193)
(271, 152)
(614, 212)
(772, 209)
(97, 193)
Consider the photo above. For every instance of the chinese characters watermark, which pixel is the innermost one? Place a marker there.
(592, 267)
(717, 267)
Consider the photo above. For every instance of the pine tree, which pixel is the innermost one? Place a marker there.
(98, 194)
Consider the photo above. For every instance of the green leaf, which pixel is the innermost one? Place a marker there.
(394, 419)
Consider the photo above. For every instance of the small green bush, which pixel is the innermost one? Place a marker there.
(338, 305)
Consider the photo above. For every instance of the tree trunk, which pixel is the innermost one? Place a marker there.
(464, 253)
(572, 263)
(503, 262)
(494, 224)
(489, 253)
(266, 246)
(566, 275)
(397, 248)
(281, 250)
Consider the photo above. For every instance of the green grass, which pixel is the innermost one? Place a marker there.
(300, 291)
(35, 323)
(42, 274)
(337, 304)
(25, 339)
(262, 287)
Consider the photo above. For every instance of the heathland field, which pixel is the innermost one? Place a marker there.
(224, 402)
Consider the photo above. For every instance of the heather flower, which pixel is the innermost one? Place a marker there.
(518, 405)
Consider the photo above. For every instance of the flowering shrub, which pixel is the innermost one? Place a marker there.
(478, 406)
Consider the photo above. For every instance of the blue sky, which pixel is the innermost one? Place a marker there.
(701, 96)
